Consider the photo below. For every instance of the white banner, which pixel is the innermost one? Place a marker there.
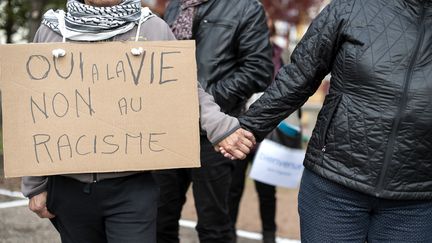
(278, 165)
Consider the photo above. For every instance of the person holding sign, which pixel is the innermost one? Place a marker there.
(368, 166)
(234, 61)
(121, 206)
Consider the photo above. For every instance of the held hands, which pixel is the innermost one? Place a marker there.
(37, 204)
(237, 145)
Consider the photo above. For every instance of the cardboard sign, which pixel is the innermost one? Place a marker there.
(99, 108)
(278, 165)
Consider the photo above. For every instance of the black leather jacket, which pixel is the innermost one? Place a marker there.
(374, 132)
(232, 49)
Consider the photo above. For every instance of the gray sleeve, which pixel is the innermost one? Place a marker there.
(36, 38)
(168, 33)
(155, 29)
(217, 124)
(33, 185)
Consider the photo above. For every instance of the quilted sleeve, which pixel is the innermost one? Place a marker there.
(311, 61)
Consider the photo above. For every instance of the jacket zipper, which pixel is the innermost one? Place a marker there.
(95, 177)
(401, 109)
(327, 124)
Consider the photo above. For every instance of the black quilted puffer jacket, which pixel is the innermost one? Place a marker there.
(374, 132)
(233, 49)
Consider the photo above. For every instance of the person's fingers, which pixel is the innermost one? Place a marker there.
(219, 148)
(233, 152)
(238, 154)
(41, 212)
(228, 149)
(238, 150)
(249, 136)
(38, 211)
(45, 214)
(241, 156)
(222, 150)
(245, 141)
(229, 156)
(243, 148)
(33, 208)
(37, 204)
(50, 215)
(237, 145)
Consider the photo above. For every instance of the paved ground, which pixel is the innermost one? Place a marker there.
(18, 224)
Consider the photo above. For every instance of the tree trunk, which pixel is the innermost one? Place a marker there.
(36, 8)
(9, 24)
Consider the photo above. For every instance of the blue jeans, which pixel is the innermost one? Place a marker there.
(330, 212)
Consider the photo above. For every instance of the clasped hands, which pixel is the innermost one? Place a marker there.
(237, 145)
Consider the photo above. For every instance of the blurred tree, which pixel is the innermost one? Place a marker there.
(10, 17)
(16, 14)
(36, 12)
(291, 11)
(37, 9)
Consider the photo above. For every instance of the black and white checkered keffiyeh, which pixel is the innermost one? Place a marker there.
(83, 22)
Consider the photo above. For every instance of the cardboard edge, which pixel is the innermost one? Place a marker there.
(18, 175)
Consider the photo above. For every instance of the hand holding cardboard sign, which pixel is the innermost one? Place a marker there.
(237, 145)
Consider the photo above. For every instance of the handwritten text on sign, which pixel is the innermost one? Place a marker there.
(99, 108)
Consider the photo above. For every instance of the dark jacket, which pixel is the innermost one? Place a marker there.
(374, 132)
(232, 49)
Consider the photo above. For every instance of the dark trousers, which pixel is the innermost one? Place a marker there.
(114, 210)
(330, 212)
(210, 185)
(266, 197)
